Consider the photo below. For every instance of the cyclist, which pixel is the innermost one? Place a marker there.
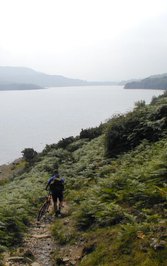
(56, 188)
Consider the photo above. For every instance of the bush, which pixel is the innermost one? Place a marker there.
(29, 155)
(91, 133)
(65, 142)
(125, 132)
(94, 213)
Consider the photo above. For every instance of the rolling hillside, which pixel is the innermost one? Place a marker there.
(116, 191)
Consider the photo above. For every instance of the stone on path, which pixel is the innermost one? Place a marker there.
(35, 264)
(41, 236)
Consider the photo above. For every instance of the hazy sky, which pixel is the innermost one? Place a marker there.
(87, 39)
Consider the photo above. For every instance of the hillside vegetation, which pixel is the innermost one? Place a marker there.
(116, 189)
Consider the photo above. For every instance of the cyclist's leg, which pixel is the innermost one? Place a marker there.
(54, 197)
(60, 197)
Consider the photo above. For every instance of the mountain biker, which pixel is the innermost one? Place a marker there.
(56, 188)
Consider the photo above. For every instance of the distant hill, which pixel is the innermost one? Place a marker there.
(152, 82)
(124, 82)
(11, 76)
(19, 86)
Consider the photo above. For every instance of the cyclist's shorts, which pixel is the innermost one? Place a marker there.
(57, 195)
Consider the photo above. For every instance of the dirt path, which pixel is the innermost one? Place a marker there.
(38, 245)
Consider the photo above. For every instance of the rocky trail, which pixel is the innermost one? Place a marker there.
(39, 245)
(40, 242)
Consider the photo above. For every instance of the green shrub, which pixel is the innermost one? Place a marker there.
(62, 233)
(93, 213)
(65, 142)
(125, 132)
(30, 156)
(91, 133)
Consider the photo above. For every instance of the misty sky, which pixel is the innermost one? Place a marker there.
(88, 39)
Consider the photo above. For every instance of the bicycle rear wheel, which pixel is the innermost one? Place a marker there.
(43, 210)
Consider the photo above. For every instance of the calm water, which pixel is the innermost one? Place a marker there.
(32, 119)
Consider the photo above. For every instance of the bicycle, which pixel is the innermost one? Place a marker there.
(43, 210)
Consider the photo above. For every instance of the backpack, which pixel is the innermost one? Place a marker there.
(56, 185)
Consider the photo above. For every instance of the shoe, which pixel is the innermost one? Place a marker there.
(56, 213)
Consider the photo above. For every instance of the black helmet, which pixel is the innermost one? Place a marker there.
(56, 173)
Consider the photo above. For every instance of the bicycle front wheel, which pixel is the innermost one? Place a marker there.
(43, 210)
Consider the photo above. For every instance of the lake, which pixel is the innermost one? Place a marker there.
(32, 119)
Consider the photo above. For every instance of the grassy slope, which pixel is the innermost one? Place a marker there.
(118, 206)
(119, 210)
